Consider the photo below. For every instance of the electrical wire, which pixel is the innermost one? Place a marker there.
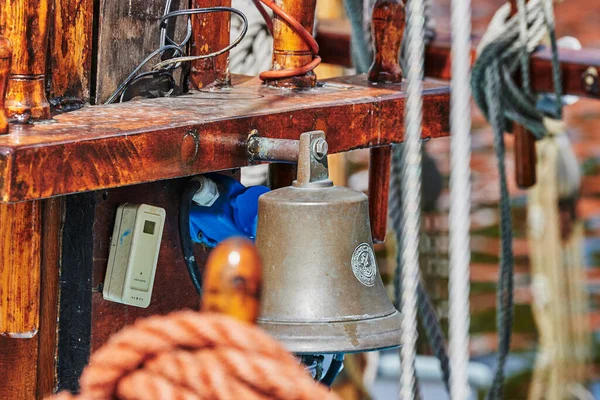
(169, 44)
(185, 237)
(195, 11)
(334, 369)
(127, 82)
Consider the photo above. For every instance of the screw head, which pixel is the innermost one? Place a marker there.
(320, 148)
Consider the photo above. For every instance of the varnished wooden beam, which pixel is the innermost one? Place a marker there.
(124, 144)
(334, 39)
(52, 219)
(20, 257)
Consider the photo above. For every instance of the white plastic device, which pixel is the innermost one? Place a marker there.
(133, 254)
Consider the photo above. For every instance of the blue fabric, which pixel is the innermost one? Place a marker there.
(234, 213)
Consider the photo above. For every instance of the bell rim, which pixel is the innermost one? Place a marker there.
(371, 334)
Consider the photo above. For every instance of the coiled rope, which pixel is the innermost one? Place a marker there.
(507, 44)
(190, 355)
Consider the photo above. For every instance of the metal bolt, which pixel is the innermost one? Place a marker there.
(590, 81)
(320, 148)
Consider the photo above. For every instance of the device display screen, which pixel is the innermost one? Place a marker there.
(149, 227)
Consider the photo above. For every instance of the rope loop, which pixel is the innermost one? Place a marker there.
(191, 355)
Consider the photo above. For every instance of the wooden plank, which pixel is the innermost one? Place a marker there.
(70, 54)
(20, 229)
(127, 31)
(173, 288)
(334, 40)
(53, 211)
(123, 144)
(18, 358)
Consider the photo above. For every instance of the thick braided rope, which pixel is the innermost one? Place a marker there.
(190, 355)
(506, 44)
(460, 200)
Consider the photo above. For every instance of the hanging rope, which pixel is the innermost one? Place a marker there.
(460, 200)
(507, 44)
(410, 175)
(190, 355)
(359, 14)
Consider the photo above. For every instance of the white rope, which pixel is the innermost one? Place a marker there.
(411, 205)
(460, 200)
(503, 26)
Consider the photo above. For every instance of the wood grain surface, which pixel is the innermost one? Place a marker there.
(109, 146)
(20, 257)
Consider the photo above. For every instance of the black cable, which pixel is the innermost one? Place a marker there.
(185, 236)
(132, 76)
(177, 50)
(334, 369)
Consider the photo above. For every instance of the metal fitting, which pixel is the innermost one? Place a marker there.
(320, 149)
(590, 81)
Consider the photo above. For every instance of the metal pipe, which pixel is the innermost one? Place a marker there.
(272, 150)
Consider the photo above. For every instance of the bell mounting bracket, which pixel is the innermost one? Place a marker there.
(310, 152)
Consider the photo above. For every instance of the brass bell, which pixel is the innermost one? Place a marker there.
(322, 292)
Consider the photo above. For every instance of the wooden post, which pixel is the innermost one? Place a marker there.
(379, 187)
(210, 33)
(70, 53)
(525, 153)
(290, 49)
(5, 59)
(388, 29)
(25, 24)
(20, 259)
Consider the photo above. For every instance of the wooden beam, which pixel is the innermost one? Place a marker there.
(20, 258)
(52, 217)
(334, 40)
(124, 144)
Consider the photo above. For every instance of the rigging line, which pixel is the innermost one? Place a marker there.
(460, 199)
(411, 193)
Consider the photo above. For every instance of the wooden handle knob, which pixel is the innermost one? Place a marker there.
(232, 280)
(5, 58)
(387, 27)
